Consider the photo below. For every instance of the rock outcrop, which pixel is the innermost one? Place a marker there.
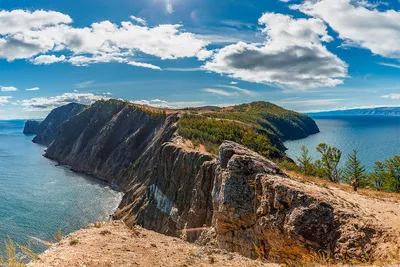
(256, 214)
(49, 129)
(32, 127)
(172, 188)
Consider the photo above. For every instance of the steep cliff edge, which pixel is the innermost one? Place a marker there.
(174, 188)
(32, 127)
(49, 129)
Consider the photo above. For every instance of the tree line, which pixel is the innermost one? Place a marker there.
(385, 176)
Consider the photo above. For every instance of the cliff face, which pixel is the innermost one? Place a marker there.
(31, 127)
(172, 188)
(49, 129)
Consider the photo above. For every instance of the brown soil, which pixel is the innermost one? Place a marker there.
(114, 245)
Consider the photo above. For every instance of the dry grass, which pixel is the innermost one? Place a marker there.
(16, 255)
(58, 235)
(395, 197)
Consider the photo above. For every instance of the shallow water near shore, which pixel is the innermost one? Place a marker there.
(375, 137)
(37, 197)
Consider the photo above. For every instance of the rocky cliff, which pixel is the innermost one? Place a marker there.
(49, 129)
(171, 187)
(32, 127)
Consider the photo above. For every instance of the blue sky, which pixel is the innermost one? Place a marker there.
(301, 54)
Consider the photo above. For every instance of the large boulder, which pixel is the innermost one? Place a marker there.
(258, 215)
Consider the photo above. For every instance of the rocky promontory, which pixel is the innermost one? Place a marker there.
(32, 127)
(238, 198)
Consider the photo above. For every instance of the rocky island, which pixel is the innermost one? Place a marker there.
(183, 179)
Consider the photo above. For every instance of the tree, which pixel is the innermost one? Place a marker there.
(378, 176)
(392, 166)
(305, 161)
(319, 170)
(330, 160)
(354, 172)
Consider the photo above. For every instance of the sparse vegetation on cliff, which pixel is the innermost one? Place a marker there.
(273, 119)
(384, 177)
(211, 133)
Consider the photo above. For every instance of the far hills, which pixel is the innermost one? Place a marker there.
(382, 111)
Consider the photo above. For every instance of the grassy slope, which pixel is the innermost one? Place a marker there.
(261, 126)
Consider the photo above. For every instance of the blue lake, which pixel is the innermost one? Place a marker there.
(375, 137)
(37, 197)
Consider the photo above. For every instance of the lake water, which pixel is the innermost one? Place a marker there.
(375, 137)
(37, 197)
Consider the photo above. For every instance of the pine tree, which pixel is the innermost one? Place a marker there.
(330, 160)
(354, 171)
(378, 177)
(305, 161)
(392, 166)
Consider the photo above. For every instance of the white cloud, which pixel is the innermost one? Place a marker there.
(144, 65)
(234, 83)
(49, 103)
(17, 21)
(26, 34)
(219, 92)
(292, 56)
(8, 89)
(4, 99)
(391, 96)
(33, 89)
(165, 104)
(359, 24)
(241, 90)
(390, 65)
(139, 20)
(83, 85)
(47, 59)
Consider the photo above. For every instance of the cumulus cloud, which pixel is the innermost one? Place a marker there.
(17, 21)
(33, 89)
(40, 35)
(47, 59)
(49, 103)
(293, 55)
(359, 24)
(219, 92)
(4, 99)
(8, 89)
(391, 96)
